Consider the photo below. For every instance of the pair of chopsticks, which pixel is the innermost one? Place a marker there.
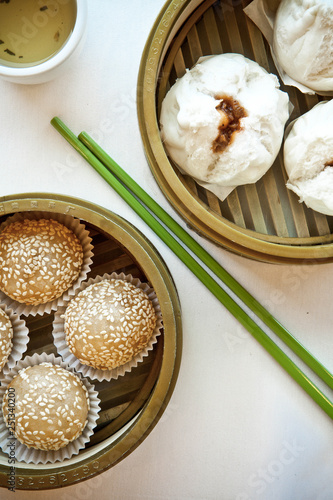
(145, 207)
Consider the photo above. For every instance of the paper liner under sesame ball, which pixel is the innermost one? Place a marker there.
(79, 229)
(20, 340)
(30, 455)
(94, 373)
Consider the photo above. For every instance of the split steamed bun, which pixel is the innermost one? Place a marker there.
(222, 123)
(308, 158)
(303, 42)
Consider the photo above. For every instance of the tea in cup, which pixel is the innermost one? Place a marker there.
(38, 36)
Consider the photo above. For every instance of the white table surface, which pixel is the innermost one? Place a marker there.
(237, 426)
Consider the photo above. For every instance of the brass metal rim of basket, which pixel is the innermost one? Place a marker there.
(264, 221)
(122, 434)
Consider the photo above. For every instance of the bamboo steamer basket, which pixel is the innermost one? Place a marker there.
(132, 404)
(262, 221)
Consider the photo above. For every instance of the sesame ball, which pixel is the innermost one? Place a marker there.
(6, 335)
(50, 405)
(39, 260)
(108, 323)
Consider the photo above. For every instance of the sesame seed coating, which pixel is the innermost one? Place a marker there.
(41, 421)
(39, 260)
(6, 335)
(108, 323)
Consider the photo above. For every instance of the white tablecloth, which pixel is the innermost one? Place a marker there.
(237, 426)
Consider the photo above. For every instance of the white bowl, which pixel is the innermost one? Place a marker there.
(53, 67)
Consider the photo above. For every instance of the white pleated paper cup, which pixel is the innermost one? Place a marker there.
(30, 455)
(19, 340)
(97, 374)
(79, 229)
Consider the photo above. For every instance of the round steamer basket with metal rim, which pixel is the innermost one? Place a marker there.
(262, 221)
(132, 404)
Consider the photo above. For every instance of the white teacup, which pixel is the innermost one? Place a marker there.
(24, 56)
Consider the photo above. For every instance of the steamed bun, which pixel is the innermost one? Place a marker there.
(222, 123)
(308, 158)
(303, 42)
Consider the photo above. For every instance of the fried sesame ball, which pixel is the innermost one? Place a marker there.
(108, 323)
(50, 406)
(39, 260)
(6, 335)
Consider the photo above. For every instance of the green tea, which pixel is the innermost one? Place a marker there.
(32, 31)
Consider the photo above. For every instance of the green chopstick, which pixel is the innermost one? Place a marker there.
(291, 368)
(209, 261)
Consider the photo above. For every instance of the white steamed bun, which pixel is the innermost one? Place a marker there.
(303, 42)
(308, 158)
(191, 123)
